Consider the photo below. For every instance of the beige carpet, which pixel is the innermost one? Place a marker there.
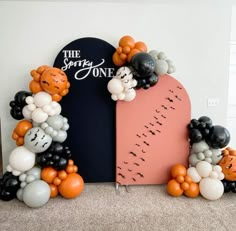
(143, 208)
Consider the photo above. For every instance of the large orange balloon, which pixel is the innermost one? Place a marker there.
(174, 189)
(50, 79)
(228, 164)
(72, 186)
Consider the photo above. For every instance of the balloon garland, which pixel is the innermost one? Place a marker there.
(138, 69)
(40, 167)
(210, 167)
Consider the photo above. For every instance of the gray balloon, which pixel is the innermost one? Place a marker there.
(19, 194)
(60, 137)
(55, 122)
(35, 171)
(36, 194)
(36, 140)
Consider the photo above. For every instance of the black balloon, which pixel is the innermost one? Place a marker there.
(57, 156)
(199, 129)
(229, 186)
(205, 119)
(143, 65)
(147, 82)
(18, 103)
(195, 135)
(219, 137)
(9, 184)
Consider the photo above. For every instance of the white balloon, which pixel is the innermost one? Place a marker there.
(204, 168)
(36, 194)
(29, 99)
(129, 96)
(114, 86)
(192, 172)
(211, 189)
(213, 175)
(171, 69)
(21, 159)
(26, 112)
(161, 67)
(39, 116)
(42, 98)
(31, 107)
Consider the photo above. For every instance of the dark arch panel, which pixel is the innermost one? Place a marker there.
(89, 108)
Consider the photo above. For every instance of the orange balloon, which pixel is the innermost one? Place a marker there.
(62, 174)
(54, 190)
(69, 169)
(20, 130)
(48, 174)
(188, 179)
(178, 170)
(127, 41)
(141, 46)
(72, 186)
(132, 53)
(53, 80)
(70, 162)
(56, 181)
(174, 189)
(228, 164)
(192, 191)
(184, 186)
(117, 60)
(180, 179)
(50, 79)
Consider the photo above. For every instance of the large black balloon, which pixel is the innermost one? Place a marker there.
(9, 184)
(143, 65)
(219, 137)
(18, 103)
(57, 156)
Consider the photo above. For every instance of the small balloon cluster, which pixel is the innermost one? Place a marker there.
(137, 68)
(41, 166)
(210, 167)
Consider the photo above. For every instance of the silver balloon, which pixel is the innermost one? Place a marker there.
(36, 140)
(36, 194)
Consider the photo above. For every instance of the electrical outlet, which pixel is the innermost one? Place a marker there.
(213, 102)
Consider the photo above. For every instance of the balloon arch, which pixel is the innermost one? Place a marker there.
(41, 166)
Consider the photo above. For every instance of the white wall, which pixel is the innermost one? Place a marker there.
(195, 34)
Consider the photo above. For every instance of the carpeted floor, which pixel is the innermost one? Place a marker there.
(100, 208)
